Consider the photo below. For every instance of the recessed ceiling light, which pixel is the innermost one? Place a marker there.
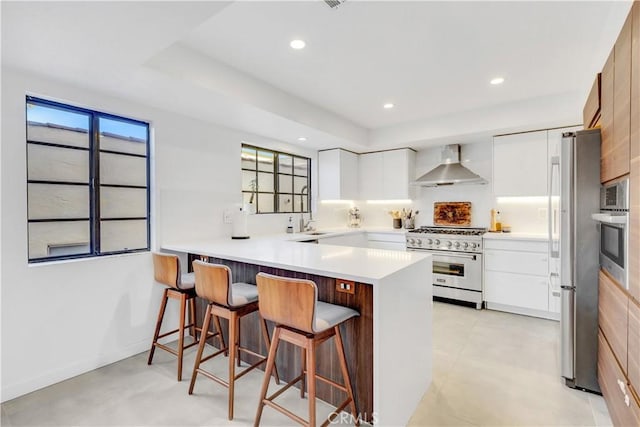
(297, 44)
(388, 106)
(497, 81)
(302, 139)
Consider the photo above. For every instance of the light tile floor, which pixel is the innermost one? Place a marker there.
(490, 368)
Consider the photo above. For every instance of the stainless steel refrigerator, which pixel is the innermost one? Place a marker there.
(574, 252)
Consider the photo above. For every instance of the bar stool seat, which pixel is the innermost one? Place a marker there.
(330, 315)
(231, 301)
(302, 320)
(180, 287)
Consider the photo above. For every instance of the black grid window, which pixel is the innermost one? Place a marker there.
(87, 182)
(275, 182)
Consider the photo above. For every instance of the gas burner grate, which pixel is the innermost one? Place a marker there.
(471, 231)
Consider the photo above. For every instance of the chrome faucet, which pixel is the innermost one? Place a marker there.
(305, 226)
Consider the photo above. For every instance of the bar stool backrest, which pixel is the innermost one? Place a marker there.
(286, 301)
(213, 282)
(166, 269)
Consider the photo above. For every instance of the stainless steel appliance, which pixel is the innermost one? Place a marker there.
(457, 260)
(614, 229)
(450, 171)
(574, 193)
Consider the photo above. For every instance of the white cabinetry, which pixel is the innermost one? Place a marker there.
(386, 175)
(391, 241)
(516, 277)
(338, 175)
(357, 240)
(520, 164)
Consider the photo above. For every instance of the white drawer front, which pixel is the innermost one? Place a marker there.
(516, 290)
(387, 237)
(517, 245)
(517, 262)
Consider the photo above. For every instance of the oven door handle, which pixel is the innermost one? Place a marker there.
(453, 254)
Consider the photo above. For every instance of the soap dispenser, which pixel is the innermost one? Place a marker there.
(290, 226)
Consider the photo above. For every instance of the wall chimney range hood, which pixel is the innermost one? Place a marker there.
(450, 171)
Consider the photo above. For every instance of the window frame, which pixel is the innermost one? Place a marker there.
(94, 185)
(276, 180)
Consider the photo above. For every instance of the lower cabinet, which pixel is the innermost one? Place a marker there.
(516, 277)
(391, 241)
(622, 404)
(613, 308)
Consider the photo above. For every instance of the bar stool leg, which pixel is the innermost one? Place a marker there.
(163, 306)
(345, 374)
(233, 349)
(223, 345)
(183, 304)
(192, 318)
(239, 338)
(311, 380)
(271, 361)
(203, 341)
(303, 368)
(267, 341)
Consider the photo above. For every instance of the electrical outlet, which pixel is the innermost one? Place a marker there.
(226, 216)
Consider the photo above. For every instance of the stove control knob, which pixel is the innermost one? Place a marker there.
(465, 245)
(456, 245)
(410, 241)
(449, 244)
(436, 242)
(429, 242)
(418, 242)
(474, 245)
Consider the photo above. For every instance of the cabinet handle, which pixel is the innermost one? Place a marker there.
(555, 293)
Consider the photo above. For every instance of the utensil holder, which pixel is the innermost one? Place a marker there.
(409, 223)
(397, 222)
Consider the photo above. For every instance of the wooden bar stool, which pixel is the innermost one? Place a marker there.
(230, 301)
(303, 321)
(166, 270)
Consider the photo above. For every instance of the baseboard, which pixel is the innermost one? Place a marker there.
(549, 315)
(11, 391)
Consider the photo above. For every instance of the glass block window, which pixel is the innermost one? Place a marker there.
(87, 182)
(275, 182)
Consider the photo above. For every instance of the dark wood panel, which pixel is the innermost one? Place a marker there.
(613, 307)
(610, 378)
(357, 336)
(591, 110)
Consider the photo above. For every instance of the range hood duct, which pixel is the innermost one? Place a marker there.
(450, 172)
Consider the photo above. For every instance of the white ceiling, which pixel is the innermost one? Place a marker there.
(232, 64)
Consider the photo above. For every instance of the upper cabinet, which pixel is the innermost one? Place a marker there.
(591, 111)
(616, 107)
(520, 164)
(338, 175)
(386, 175)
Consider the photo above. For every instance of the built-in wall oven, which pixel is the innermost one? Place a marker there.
(613, 221)
(457, 260)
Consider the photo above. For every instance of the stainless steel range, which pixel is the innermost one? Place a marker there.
(457, 260)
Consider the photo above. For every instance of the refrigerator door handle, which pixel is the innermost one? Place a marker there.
(567, 332)
(554, 250)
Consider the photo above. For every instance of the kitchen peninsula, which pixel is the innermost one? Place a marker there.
(388, 347)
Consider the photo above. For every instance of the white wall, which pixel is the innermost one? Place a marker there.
(65, 318)
(478, 158)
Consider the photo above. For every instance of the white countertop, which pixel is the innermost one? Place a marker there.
(516, 236)
(285, 251)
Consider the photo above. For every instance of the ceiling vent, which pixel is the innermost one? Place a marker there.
(333, 4)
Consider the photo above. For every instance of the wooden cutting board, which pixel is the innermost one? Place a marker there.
(452, 214)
